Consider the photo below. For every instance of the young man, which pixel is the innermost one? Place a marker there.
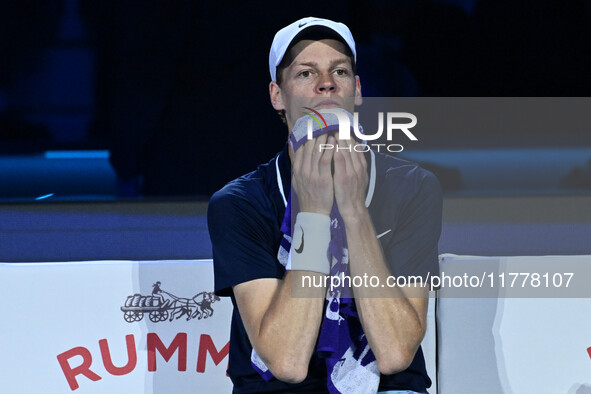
(388, 212)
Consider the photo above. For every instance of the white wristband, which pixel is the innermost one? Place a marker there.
(309, 244)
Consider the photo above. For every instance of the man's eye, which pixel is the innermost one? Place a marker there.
(341, 72)
(304, 74)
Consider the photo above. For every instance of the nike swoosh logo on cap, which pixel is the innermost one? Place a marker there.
(305, 23)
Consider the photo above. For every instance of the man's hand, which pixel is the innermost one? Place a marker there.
(350, 179)
(312, 178)
(394, 323)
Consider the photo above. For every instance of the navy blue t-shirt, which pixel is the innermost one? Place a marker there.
(244, 220)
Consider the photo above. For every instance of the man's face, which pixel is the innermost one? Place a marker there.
(320, 76)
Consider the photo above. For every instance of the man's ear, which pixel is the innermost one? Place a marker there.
(275, 95)
(358, 96)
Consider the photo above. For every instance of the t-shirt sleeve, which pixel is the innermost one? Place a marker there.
(413, 248)
(242, 241)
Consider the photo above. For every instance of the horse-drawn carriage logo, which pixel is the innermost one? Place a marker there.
(162, 305)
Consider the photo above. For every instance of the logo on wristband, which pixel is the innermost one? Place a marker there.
(301, 248)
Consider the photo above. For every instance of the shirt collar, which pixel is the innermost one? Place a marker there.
(283, 173)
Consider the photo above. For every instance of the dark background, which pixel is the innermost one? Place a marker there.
(177, 91)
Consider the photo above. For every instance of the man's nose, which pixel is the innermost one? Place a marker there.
(326, 84)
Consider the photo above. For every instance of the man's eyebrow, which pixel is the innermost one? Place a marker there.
(307, 64)
(333, 63)
(337, 62)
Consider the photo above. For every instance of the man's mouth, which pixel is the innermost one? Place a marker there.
(327, 104)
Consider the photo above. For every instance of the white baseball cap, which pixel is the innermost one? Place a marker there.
(285, 36)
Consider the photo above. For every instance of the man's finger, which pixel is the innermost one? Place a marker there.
(317, 154)
(358, 162)
(306, 152)
(344, 155)
(327, 156)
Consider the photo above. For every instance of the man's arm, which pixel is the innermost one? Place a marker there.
(395, 322)
(283, 329)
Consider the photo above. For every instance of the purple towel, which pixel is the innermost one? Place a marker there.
(350, 363)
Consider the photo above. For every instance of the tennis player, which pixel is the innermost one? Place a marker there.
(310, 215)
